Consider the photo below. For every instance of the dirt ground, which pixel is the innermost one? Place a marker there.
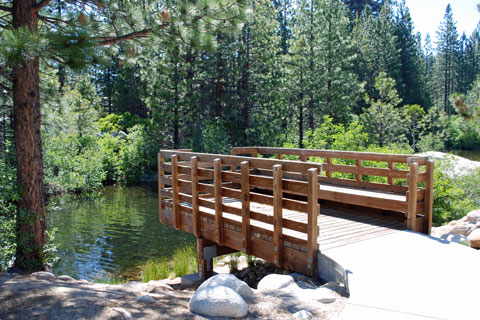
(26, 297)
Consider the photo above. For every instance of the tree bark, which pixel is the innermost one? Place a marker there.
(31, 220)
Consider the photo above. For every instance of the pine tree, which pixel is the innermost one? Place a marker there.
(74, 37)
(446, 61)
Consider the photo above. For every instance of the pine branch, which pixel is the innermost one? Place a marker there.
(3, 74)
(129, 36)
(40, 5)
(4, 8)
(4, 87)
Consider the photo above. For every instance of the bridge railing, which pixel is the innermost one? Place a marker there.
(209, 195)
(408, 175)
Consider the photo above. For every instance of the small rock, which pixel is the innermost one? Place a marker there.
(275, 282)
(324, 295)
(457, 238)
(303, 315)
(218, 301)
(331, 284)
(474, 238)
(43, 275)
(473, 216)
(145, 299)
(156, 285)
(305, 285)
(190, 279)
(463, 229)
(125, 314)
(230, 281)
(65, 278)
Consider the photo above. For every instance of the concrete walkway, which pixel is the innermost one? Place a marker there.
(406, 275)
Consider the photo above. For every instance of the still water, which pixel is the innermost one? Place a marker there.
(114, 233)
(469, 154)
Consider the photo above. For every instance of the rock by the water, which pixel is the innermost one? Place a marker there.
(275, 282)
(125, 314)
(158, 285)
(218, 301)
(43, 275)
(473, 216)
(65, 278)
(230, 281)
(474, 238)
(457, 238)
(145, 299)
(462, 228)
(303, 315)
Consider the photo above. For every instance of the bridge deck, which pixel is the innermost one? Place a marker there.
(337, 227)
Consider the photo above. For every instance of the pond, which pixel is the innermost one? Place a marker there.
(113, 234)
(469, 154)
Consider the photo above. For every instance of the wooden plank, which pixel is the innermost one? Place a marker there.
(195, 197)
(312, 244)
(175, 191)
(161, 172)
(367, 171)
(217, 165)
(244, 167)
(296, 166)
(412, 196)
(427, 222)
(280, 156)
(277, 216)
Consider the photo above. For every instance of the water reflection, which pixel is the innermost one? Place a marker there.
(115, 233)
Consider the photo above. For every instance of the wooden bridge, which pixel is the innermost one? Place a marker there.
(266, 202)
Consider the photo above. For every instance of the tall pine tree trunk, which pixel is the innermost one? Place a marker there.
(31, 220)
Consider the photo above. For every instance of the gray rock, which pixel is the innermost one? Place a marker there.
(65, 278)
(5, 274)
(473, 216)
(114, 133)
(145, 299)
(474, 239)
(230, 281)
(463, 229)
(43, 275)
(275, 282)
(325, 295)
(457, 238)
(218, 301)
(190, 279)
(158, 285)
(303, 315)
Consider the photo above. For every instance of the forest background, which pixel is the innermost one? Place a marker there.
(323, 74)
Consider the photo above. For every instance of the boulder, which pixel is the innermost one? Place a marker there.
(218, 301)
(457, 238)
(65, 278)
(474, 238)
(275, 282)
(158, 285)
(473, 216)
(303, 315)
(43, 275)
(462, 228)
(229, 281)
(440, 231)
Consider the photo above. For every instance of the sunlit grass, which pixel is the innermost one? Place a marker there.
(183, 262)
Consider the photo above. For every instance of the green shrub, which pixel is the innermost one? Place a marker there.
(8, 198)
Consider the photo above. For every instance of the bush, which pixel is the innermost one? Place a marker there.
(216, 138)
(72, 164)
(8, 209)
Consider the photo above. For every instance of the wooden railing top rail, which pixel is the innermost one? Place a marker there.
(256, 163)
(355, 155)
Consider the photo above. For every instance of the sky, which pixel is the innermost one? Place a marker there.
(427, 15)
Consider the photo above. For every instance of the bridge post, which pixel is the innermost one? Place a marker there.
(175, 191)
(205, 264)
(412, 197)
(427, 222)
(277, 215)
(312, 236)
(217, 176)
(161, 186)
(195, 197)
(245, 177)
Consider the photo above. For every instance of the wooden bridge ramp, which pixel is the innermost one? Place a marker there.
(268, 208)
